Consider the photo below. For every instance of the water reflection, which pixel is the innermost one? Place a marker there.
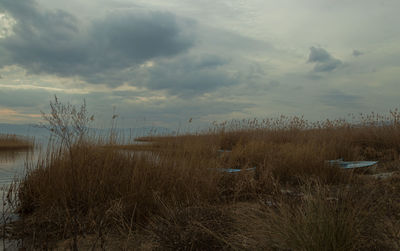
(10, 156)
(12, 164)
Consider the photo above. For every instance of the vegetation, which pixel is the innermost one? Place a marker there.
(14, 143)
(172, 193)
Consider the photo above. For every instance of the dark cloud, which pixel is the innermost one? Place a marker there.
(324, 62)
(189, 75)
(145, 49)
(357, 53)
(22, 8)
(53, 42)
(133, 39)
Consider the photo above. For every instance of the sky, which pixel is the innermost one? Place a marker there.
(163, 63)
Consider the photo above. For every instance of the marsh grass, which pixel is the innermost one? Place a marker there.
(319, 219)
(170, 193)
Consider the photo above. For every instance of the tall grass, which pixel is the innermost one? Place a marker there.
(172, 194)
(320, 219)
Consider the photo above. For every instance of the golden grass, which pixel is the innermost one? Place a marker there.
(175, 197)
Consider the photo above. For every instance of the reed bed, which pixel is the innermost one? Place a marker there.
(172, 193)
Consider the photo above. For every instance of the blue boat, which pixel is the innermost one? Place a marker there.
(351, 164)
(234, 170)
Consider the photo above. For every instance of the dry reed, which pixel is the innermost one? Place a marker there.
(172, 194)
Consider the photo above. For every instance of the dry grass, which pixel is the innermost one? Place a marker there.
(171, 194)
(319, 219)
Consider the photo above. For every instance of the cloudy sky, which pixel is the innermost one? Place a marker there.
(163, 62)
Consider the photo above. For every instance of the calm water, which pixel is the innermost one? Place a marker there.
(12, 165)
(12, 168)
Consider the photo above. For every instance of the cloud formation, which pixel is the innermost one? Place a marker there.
(203, 59)
(53, 42)
(189, 75)
(324, 62)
